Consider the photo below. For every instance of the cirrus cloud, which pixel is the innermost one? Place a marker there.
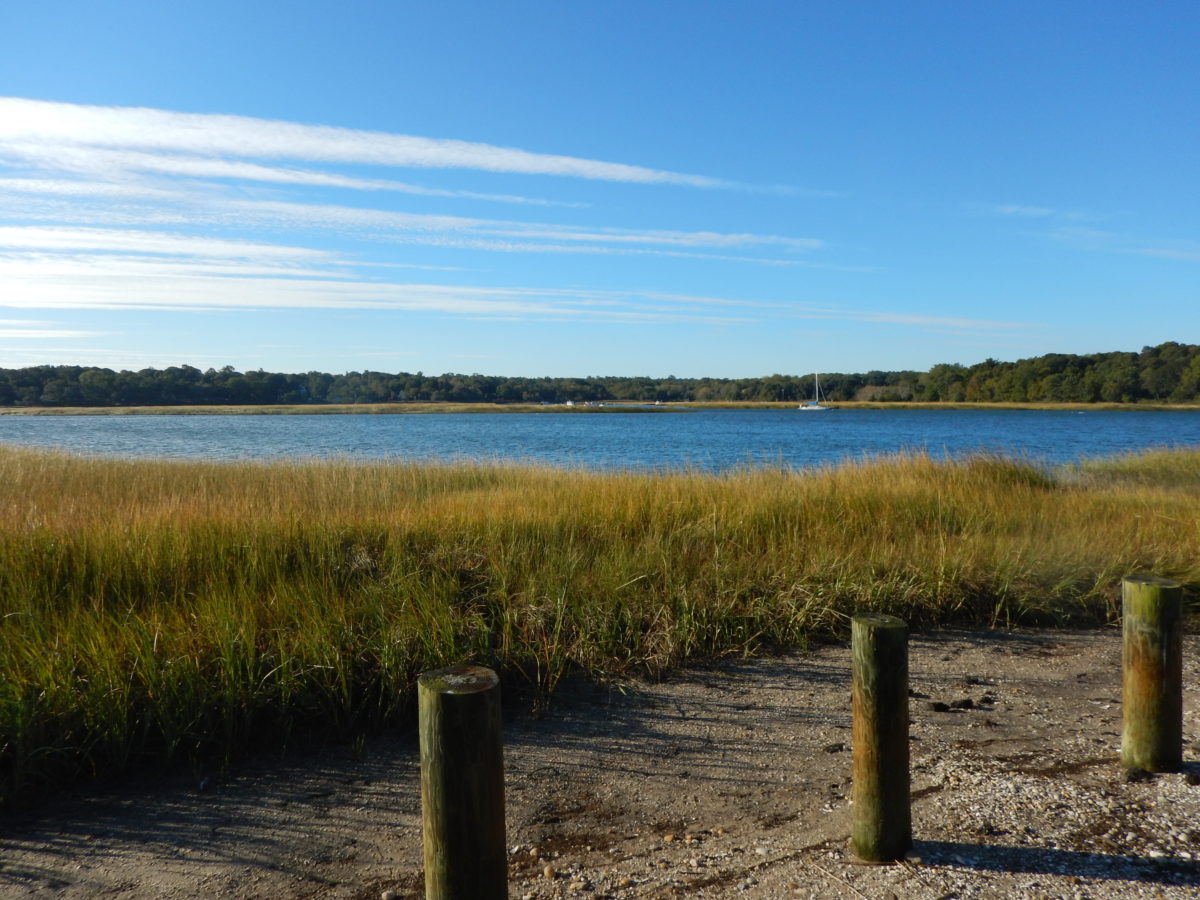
(39, 129)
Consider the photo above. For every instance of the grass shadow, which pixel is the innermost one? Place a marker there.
(1044, 861)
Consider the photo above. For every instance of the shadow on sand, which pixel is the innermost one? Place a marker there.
(1042, 861)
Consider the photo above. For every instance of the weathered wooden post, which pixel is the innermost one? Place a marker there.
(1152, 680)
(882, 821)
(462, 784)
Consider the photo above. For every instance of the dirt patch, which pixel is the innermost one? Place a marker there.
(731, 781)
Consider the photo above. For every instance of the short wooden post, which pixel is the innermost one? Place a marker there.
(882, 815)
(462, 784)
(1152, 681)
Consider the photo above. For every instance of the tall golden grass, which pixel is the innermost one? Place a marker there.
(174, 611)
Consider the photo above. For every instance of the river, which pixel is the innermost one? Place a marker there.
(711, 440)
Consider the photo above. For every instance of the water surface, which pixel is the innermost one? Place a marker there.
(712, 440)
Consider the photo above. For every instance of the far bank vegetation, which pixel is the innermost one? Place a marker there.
(1168, 373)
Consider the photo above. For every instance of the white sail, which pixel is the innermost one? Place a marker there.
(815, 403)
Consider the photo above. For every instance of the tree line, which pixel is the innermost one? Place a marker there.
(1167, 373)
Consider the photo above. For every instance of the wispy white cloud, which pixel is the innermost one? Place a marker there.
(122, 240)
(1188, 251)
(33, 123)
(1087, 238)
(140, 209)
(44, 333)
(39, 330)
(95, 162)
(99, 281)
(133, 171)
(72, 188)
(82, 282)
(916, 320)
(1084, 237)
(19, 268)
(629, 236)
(512, 246)
(514, 236)
(1017, 209)
(498, 235)
(1030, 211)
(62, 267)
(1114, 242)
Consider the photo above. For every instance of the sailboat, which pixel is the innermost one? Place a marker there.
(815, 403)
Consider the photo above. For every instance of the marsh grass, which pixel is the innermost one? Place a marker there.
(159, 612)
(1154, 468)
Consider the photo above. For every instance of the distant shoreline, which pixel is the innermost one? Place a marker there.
(421, 408)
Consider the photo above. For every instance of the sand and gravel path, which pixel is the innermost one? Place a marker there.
(730, 781)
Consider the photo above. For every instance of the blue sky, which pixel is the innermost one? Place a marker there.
(616, 188)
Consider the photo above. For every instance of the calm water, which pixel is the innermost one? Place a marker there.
(712, 440)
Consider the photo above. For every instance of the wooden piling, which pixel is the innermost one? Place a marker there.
(462, 784)
(1152, 680)
(882, 815)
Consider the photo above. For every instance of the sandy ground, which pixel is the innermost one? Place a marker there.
(730, 781)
